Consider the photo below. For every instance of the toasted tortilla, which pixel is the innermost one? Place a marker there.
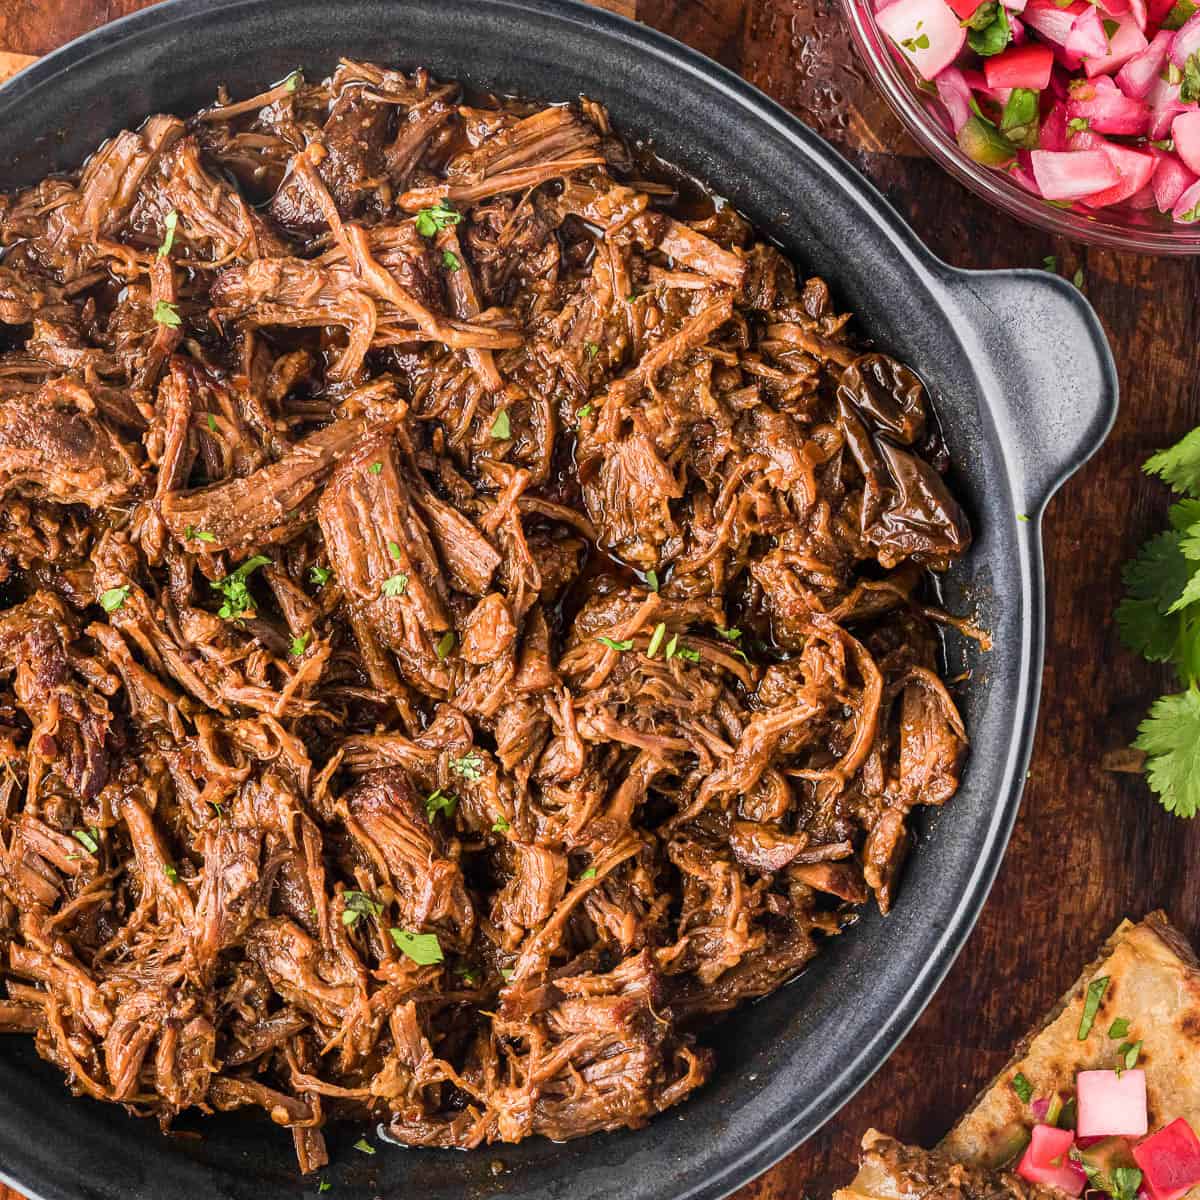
(1154, 984)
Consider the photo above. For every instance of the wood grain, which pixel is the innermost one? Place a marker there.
(1091, 846)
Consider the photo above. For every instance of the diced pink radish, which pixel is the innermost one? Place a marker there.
(1087, 37)
(1111, 1103)
(955, 96)
(927, 31)
(1185, 131)
(1016, 27)
(1171, 180)
(1015, 6)
(1187, 207)
(1026, 66)
(1170, 1161)
(1165, 106)
(978, 84)
(1052, 22)
(1136, 169)
(1138, 10)
(1024, 177)
(1142, 201)
(1137, 76)
(1053, 135)
(1046, 1160)
(1127, 41)
(1187, 41)
(1073, 173)
(1111, 112)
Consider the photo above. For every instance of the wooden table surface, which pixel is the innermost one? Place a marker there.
(1091, 846)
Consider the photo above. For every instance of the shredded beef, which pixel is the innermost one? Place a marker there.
(461, 624)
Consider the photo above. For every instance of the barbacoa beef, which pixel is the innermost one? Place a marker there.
(461, 621)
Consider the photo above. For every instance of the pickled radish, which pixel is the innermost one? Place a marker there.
(1111, 1104)
(1090, 104)
(1047, 1160)
(927, 31)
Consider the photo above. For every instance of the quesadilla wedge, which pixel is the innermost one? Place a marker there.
(1103, 1096)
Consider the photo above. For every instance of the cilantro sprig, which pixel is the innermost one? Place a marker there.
(238, 600)
(1160, 619)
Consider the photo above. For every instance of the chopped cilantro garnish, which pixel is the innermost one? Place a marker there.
(394, 550)
(590, 873)
(445, 645)
(592, 349)
(165, 313)
(112, 599)
(506, 973)
(320, 575)
(585, 410)
(87, 839)
(501, 427)
(170, 224)
(627, 644)
(1128, 1054)
(170, 872)
(191, 533)
(395, 585)
(730, 635)
(469, 766)
(652, 580)
(364, 1146)
(324, 1185)
(1091, 1006)
(440, 802)
(1022, 1087)
(450, 261)
(656, 639)
(431, 220)
(238, 600)
(300, 644)
(1119, 1028)
(375, 468)
(423, 948)
(358, 904)
(500, 825)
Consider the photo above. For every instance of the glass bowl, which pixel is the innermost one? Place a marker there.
(921, 113)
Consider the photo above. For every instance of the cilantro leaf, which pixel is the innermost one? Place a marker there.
(1154, 581)
(423, 948)
(626, 644)
(431, 220)
(87, 839)
(1091, 1005)
(395, 585)
(170, 224)
(364, 1146)
(300, 643)
(469, 766)
(320, 575)
(238, 600)
(993, 37)
(501, 427)
(358, 904)
(112, 599)
(440, 801)
(1022, 1087)
(1170, 736)
(165, 313)
(1179, 465)
(450, 261)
